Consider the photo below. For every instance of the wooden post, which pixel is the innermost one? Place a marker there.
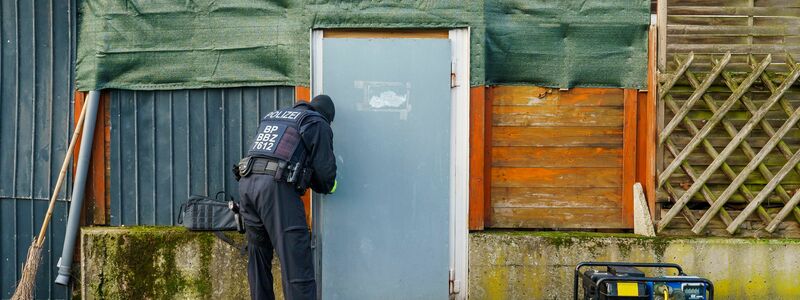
(477, 158)
(649, 176)
(641, 140)
(96, 206)
(487, 157)
(629, 155)
(303, 94)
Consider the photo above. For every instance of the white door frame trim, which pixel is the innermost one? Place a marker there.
(459, 148)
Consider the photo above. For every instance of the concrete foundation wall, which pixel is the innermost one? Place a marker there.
(172, 263)
(540, 265)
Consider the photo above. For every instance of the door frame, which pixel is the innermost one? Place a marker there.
(459, 137)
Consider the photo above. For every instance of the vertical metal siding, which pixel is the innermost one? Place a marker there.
(167, 145)
(36, 54)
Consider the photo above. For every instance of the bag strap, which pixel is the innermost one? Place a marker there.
(180, 213)
(229, 241)
(224, 199)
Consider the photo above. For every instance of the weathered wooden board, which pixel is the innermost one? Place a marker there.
(756, 141)
(738, 26)
(753, 178)
(581, 136)
(556, 157)
(730, 11)
(557, 116)
(543, 197)
(557, 218)
(700, 160)
(709, 2)
(753, 227)
(556, 177)
(736, 199)
(540, 96)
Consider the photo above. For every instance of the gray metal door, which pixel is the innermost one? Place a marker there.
(384, 234)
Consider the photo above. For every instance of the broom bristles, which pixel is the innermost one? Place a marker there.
(27, 284)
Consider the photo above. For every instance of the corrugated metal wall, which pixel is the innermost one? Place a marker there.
(35, 116)
(167, 145)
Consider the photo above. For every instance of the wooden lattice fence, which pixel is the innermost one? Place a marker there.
(729, 147)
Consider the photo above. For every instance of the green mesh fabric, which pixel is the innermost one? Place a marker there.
(183, 44)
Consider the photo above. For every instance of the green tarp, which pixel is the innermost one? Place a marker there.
(178, 44)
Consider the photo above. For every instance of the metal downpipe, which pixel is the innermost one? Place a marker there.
(78, 188)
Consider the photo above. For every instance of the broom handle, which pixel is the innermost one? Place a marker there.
(64, 166)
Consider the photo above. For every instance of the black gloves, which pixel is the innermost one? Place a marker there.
(235, 171)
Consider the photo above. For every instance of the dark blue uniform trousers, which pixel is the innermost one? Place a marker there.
(275, 219)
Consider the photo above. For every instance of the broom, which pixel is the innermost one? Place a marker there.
(27, 284)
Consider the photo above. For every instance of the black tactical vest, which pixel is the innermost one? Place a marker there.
(278, 134)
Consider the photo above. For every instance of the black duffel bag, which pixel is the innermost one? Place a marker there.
(202, 213)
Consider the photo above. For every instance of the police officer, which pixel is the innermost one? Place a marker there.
(292, 150)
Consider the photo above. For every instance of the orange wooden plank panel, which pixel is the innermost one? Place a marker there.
(555, 197)
(557, 154)
(565, 157)
(477, 158)
(629, 155)
(556, 177)
(557, 116)
(557, 136)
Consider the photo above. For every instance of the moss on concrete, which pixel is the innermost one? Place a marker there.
(157, 263)
(141, 264)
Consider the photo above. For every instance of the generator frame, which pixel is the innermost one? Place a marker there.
(682, 277)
